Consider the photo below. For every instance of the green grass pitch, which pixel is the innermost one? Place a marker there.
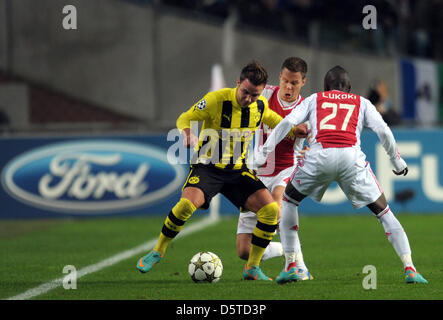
(336, 249)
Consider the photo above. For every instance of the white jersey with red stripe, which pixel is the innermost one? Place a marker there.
(283, 156)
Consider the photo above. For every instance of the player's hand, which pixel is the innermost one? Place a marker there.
(403, 172)
(189, 139)
(301, 153)
(400, 166)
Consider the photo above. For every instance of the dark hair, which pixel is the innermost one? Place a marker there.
(255, 73)
(296, 64)
(337, 79)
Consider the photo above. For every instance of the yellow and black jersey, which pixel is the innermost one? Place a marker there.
(227, 129)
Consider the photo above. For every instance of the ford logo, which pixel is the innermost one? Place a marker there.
(94, 176)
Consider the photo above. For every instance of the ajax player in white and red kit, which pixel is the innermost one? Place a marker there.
(336, 118)
(280, 164)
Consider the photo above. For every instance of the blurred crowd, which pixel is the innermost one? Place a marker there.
(410, 27)
(378, 94)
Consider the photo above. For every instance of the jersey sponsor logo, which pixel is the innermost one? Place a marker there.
(91, 177)
(228, 118)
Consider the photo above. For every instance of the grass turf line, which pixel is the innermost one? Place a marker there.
(336, 248)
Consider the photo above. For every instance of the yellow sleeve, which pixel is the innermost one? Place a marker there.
(270, 117)
(200, 111)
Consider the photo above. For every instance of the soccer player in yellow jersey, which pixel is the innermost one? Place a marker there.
(230, 117)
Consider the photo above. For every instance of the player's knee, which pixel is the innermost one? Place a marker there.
(268, 214)
(379, 205)
(183, 209)
(292, 194)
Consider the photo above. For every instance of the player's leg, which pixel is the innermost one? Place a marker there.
(245, 227)
(289, 226)
(362, 189)
(275, 248)
(191, 199)
(277, 185)
(197, 192)
(310, 178)
(397, 237)
(248, 220)
(243, 245)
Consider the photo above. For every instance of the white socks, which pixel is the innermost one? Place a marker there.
(289, 226)
(396, 236)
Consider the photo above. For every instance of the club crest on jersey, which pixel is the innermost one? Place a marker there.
(194, 180)
(201, 105)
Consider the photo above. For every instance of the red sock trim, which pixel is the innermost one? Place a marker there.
(291, 265)
(410, 268)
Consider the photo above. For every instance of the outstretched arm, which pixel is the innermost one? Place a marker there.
(375, 122)
(298, 115)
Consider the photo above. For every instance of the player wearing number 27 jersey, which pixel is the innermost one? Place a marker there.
(337, 118)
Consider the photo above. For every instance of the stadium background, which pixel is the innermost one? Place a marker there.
(131, 67)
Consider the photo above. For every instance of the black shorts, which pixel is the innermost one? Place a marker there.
(236, 185)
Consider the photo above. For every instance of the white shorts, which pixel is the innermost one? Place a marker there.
(347, 166)
(248, 220)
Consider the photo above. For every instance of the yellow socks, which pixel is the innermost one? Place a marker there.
(262, 234)
(174, 223)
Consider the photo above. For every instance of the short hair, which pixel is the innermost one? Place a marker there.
(295, 64)
(337, 78)
(255, 73)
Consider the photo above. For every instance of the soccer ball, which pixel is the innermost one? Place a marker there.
(205, 267)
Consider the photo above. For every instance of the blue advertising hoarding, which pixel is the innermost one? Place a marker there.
(87, 176)
(102, 175)
(420, 191)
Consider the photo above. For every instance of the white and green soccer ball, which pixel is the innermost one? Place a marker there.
(205, 267)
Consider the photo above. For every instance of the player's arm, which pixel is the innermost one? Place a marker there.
(198, 112)
(375, 122)
(272, 119)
